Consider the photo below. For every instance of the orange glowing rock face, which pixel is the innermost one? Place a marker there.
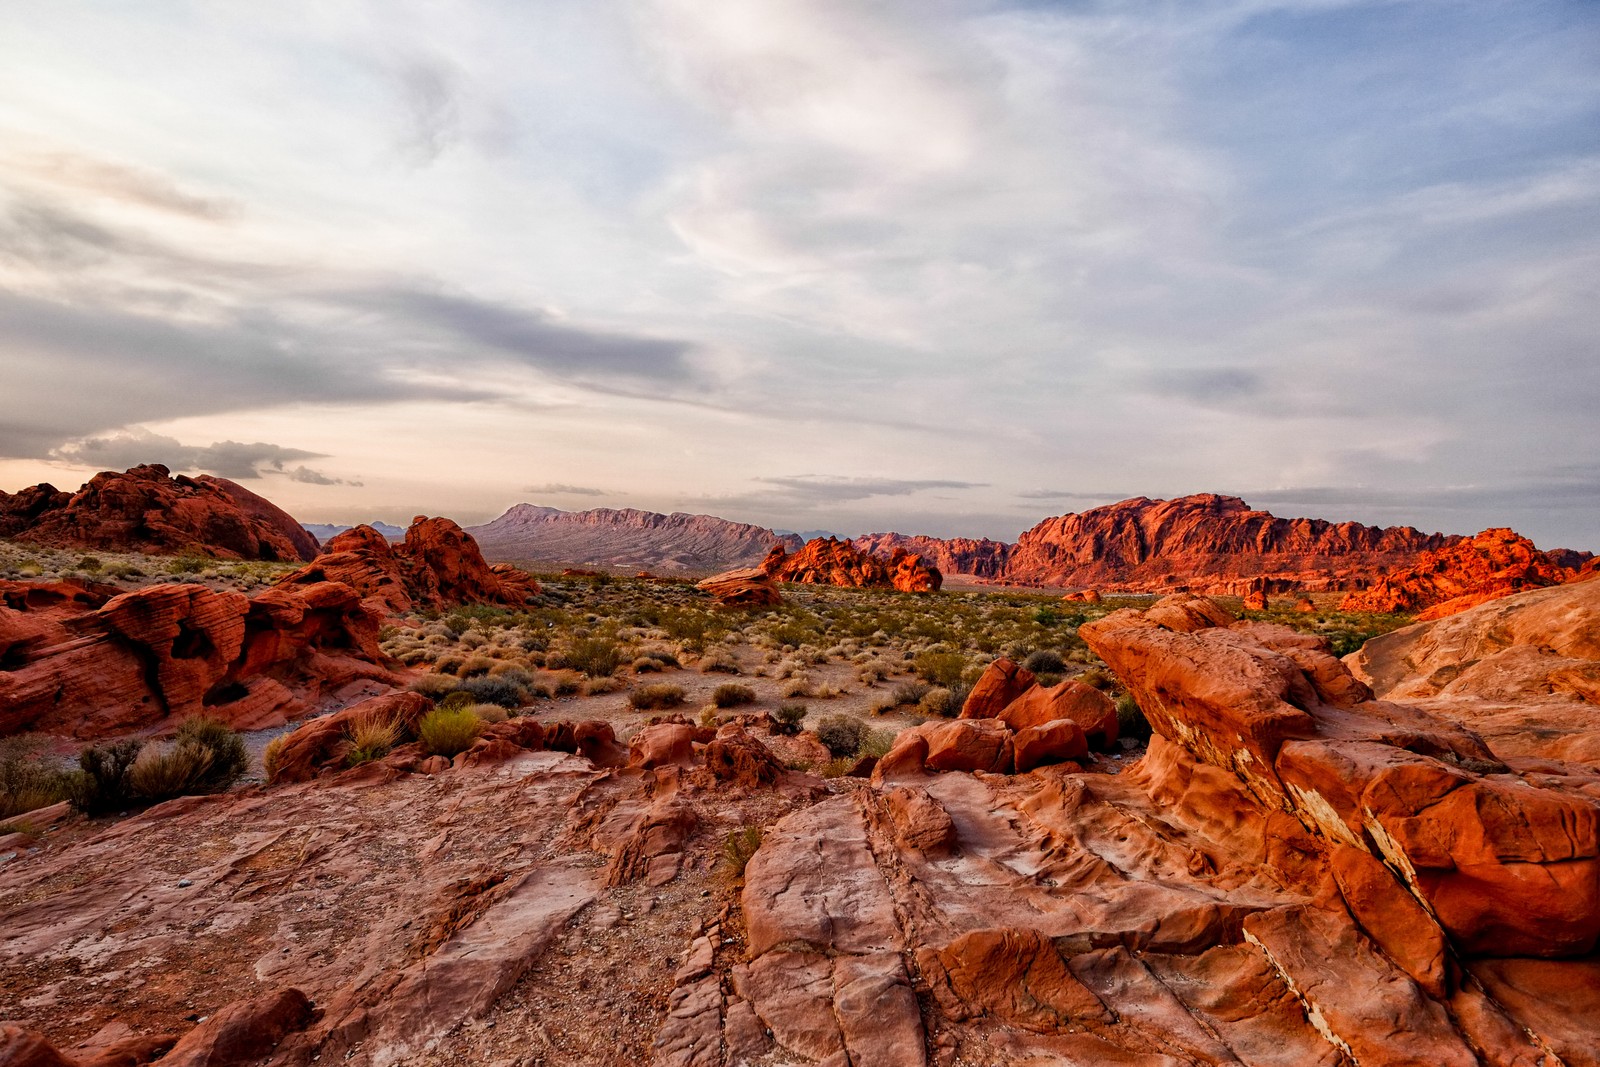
(1493, 564)
(830, 561)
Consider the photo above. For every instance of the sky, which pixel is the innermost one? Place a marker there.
(936, 266)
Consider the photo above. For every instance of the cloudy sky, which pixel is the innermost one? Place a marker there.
(936, 265)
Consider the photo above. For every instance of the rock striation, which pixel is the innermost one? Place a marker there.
(436, 564)
(979, 557)
(1493, 564)
(830, 561)
(625, 539)
(748, 588)
(145, 509)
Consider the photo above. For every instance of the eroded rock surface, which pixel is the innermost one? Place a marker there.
(1472, 571)
(748, 588)
(830, 561)
(435, 565)
(146, 510)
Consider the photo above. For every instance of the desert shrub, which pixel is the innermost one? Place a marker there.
(645, 665)
(940, 668)
(272, 757)
(90, 564)
(511, 672)
(490, 713)
(435, 686)
(187, 565)
(943, 702)
(877, 743)
(27, 780)
(594, 656)
(842, 735)
(371, 737)
(472, 639)
(103, 786)
(229, 760)
(798, 686)
(789, 717)
(655, 696)
(474, 665)
(502, 689)
(662, 656)
(1130, 719)
(448, 731)
(597, 686)
(449, 663)
(733, 695)
(719, 663)
(737, 849)
(709, 719)
(1100, 678)
(159, 774)
(122, 570)
(1043, 661)
(911, 692)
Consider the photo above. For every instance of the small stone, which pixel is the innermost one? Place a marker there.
(184, 883)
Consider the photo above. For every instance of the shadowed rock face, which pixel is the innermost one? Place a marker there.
(437, 564)
(145, 510)
(1493, 564)
(830, 561)
(979, 557)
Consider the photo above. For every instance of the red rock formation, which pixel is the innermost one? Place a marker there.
(830, 561)
(1206, 543)
(1083, 596)
(979, 557)
(746, 588)
(1505, 866)
(76, 659)
(437, 564)
(145, 510)
(1493, 564)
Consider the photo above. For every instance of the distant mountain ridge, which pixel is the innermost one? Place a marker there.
(626, 539)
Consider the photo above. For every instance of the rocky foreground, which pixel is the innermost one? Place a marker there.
(1392, 864)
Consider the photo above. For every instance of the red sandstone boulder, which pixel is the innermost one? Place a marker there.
(25, 1048)
(970, 745)
(1070, 699)
(743, 588)
(1002, 682)
(320, 745)
(830, 561)
(437, 564)
(980, 557)
(145, 510)
(736, 757)
(1050, 742)
(1493, 564)
(662, 745)
(1305, 605)
(246, 1031)
(1014, 975)
(1083, 596)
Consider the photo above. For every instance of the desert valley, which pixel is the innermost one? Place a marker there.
(1166, 782)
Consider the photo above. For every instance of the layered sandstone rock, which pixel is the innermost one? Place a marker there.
(748, 588)
(1207, 543)
(830, 561)
(146, 510)
(1493, 564)
(85, 661)
(436, 565)
(979, 557)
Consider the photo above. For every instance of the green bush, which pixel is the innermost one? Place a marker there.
(940, 668)
(162, 774)
(228, 759)
(371, 737)
(737, 849)
(501, 689)
(733, 695)
(877, 743)
(1130, 719)
(595, 656)
(27, 780)
(103, 785)
(842, 735)
(1044, 661)
(448, 731)
(789, 717)
(944, 702)
(655, 696)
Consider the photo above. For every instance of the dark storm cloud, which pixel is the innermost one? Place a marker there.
(229, 459)
(533, 337)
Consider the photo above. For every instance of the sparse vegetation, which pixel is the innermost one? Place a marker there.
(448, 732)
(733, 695)
(789, 718)
(656, 696)
(737, 849)
(594, 656)
(28, 779)
(103, 786)
(842, 735)
(371, 737)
